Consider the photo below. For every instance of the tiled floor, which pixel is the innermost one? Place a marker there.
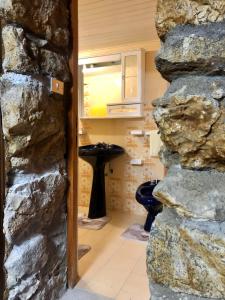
(115, 267)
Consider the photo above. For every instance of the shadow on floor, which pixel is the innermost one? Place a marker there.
(80, 294)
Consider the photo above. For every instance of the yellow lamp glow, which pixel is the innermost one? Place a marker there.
(98, 110)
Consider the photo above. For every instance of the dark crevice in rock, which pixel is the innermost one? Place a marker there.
(172, 71)
(213, 30)
(193, 50)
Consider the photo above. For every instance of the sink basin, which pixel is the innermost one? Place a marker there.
(99, 153)
(97, 156)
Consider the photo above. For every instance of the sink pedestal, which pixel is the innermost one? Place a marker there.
(97, 156)
(97, 208)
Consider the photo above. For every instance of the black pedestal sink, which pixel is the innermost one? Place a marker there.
(97, 155)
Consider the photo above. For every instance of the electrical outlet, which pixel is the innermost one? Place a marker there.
(136, 162)
(137, 132)
(57, 86)
(82, 131)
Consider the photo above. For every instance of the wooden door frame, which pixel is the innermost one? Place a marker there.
(72, 202)
(72, 132)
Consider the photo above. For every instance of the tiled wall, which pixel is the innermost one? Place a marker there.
(121, 185)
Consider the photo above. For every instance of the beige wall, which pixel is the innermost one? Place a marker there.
(123, 182)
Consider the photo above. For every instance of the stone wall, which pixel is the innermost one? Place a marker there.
(35, 41)
(186, 251)
(2, 199)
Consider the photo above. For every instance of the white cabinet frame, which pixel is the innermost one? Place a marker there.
(125, 102)
(140, 54)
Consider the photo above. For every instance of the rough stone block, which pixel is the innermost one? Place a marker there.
(26, 289)
(186, 250)
(193, 49)
(24, 53)
(26, 259)
(46, 153)
(54, 64)
(31, 204)
(190, 117)
(212, 87)
(46, 18)
(36, 268)
(53, 288)
(185, 123)
(171, 13)
(187, 255)
(159, 292)
(196, 194)
(53, 282)
(35, 36)
(28, 110)
(16, 55)
(168, 158)
(31, 118)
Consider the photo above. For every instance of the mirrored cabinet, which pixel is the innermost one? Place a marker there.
(112, 86)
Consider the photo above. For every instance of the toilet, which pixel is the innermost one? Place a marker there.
(144, 196)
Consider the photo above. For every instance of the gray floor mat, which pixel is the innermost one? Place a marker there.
(82, 250)
(93, 224)
(136, 232)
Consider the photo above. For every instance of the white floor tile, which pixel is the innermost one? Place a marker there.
(114, 267)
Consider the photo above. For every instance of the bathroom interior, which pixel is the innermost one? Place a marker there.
(119, 162)
(117, 83)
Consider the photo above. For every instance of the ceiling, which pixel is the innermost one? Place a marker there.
(105, 26)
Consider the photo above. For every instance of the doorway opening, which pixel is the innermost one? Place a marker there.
(111, 38)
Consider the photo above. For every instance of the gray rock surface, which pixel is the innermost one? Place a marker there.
(26, 289)
(196, 194)
(29, 112)
(186, 249)
(35, 38)
(31, 204)
(52, 288)
(167, 157)
(54, 64)
(190, 117)
(159, 292)
(46, 18)
(33, 121)
(27, 54)
(36, 268)
(26, 259)
(187, 255)
(193, 49)
(212, 87)
(16, 55)
(171, 13)
(47, 153)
